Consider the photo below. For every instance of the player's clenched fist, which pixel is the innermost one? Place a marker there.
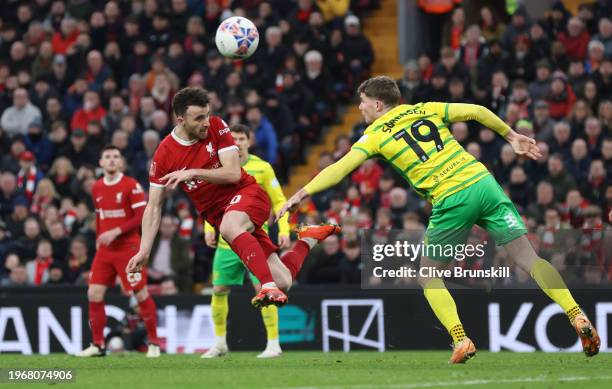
(136, 263)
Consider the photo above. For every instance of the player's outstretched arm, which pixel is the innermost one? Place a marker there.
(456, 112)
(327, 178)
(150, 226)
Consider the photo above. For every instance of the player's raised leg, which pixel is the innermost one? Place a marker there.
(286, 268)
(236, 227)
(551, 283)
(445, 309)
(97, 321)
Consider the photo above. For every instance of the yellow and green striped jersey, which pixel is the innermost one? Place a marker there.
(263, 173)
(416, 141)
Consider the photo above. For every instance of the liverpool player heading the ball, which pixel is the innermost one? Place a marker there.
(200, 156)
(119, 201)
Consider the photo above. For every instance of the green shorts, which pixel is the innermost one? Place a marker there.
(228, 269)
(484, 203)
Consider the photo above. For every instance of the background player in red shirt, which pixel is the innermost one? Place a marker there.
(200, 156)
(119, 201)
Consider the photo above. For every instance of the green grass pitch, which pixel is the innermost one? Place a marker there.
(354, 370)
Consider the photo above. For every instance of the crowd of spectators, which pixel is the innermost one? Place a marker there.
(549, 78)
(76, 75)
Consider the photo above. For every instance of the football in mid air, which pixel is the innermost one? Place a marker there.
(237, 38)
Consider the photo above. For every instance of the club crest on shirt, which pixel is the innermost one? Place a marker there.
(119, 197)
(210, 149)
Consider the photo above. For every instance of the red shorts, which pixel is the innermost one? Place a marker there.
(112, 261)
(255, 202)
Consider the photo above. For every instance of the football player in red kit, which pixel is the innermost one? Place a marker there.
(200, 156)
(119, 202)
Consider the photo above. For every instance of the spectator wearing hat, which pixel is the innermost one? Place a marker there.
(160, 35)
(216, 71)
(60, 77)
(575, 39)
(488, 64)
(77, 151)
(16, 118)
(28, 175)
(560, 96)
(520, 63)
(540, 45)
(39, 144)
(56, 274)
(357, 49)
(519, 26)
(539, 87)
(73, 99)
(436, 89)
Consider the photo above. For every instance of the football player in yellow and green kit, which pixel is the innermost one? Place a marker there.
(416, 141)
(229, 270)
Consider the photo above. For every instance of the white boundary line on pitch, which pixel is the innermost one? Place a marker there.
(455, 383)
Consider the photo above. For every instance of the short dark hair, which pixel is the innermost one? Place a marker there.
(382, 88)
(241, 129)
(190, 95)
(110, 147)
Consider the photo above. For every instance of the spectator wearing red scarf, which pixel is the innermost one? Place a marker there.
(38, 268)
(560, 97)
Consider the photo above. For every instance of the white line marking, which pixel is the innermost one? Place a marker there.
(455, 383)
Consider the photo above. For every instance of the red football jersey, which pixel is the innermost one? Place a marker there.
(115, 203)
(174, 154)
